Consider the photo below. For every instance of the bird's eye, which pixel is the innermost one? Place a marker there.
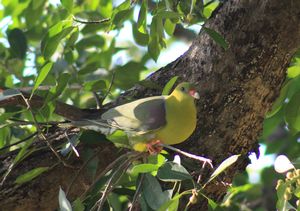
(182, 89)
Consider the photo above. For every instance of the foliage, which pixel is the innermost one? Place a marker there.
(69, 51)
(288, 189)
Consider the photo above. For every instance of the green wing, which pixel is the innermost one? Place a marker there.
(140, 116)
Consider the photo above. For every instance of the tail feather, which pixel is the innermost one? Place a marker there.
(96, 125)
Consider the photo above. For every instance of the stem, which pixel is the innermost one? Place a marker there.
(40, 132)
(111, 184)
(107, 169)
(97, 99)
(189, 155)
(91, 22)
(110, 86)
(18, 142)
(137, 192)
(124, 166)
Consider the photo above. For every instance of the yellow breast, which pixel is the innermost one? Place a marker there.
(181, 116)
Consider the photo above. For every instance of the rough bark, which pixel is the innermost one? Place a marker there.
(241, 83)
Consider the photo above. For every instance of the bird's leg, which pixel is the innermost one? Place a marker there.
(154, 147)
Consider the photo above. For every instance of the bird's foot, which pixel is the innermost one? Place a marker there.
(154, 147)
(207, 161)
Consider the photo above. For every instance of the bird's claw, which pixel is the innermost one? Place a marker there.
(207, 161)
(153, 147)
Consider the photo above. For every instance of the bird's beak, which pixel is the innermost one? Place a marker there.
(194, 94)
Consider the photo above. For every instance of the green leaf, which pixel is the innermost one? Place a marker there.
(18, 43)
(169, 27)
(292, 112)
(23, 152)
(143, 168)
(68, 4)
(168, 14)
(61, 84)
(64, 204)
(5, 139)
(271, 123)
(156, 27)
(280, 205)
(212, 205)
(153, 48)
(280, 100)
(297, 192)
(224, 165)
(77, 205)
(33, 14)
(207, 11)
(91, 41)
(89, 67)
(94, 86)
(216, 37)
(139, 37)
(115, 202)
(93, 161)
(30, 175)
(121, 16)
(173, 206)
(142, 18)
(156, 37)
(173, 201)
(169, 86)
(123, 6)
(51, 42)
(119, 138)
(294, 87)
(90, 137)
(153, 193)
(128, 75)
(73, 38)
(46, 112)
(5, 116)
(42, 75)
(173, 172)
(37, 3)
(293, 71)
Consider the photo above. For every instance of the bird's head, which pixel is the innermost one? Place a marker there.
(185, 90)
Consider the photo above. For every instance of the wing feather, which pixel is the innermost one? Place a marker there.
(139, 116)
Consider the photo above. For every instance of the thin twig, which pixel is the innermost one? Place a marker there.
(71, 144)
(110, 185)
(107, 169)
(48, 87)
(189, 155)
(137, 192)
(18, 142)
(11, 166)
(109, 88)
(23, 122)
(40, 132)
(91, 22)
(200, 174)
(97, 99)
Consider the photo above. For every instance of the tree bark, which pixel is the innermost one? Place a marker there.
(238, 87)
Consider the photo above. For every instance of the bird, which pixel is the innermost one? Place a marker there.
(151, 121)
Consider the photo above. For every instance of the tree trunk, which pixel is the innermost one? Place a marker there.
(238, 87)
